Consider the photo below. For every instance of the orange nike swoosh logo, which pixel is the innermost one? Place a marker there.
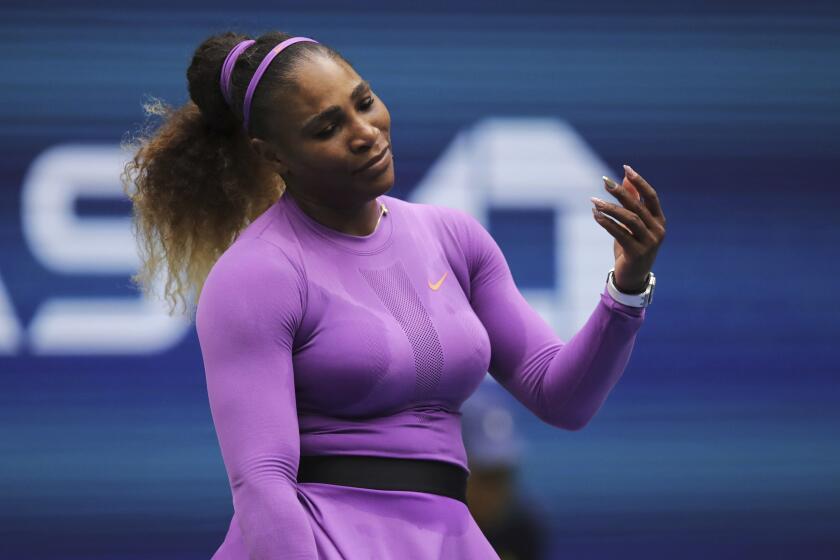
(437, 284)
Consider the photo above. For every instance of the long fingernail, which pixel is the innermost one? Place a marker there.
(609, 182)
(630, 171)
(596, 201)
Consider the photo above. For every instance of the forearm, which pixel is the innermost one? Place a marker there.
(562, 383)
(584, 371)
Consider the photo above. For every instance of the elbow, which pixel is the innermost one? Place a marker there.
(574, 415)
(264, 474)
(256, 494)
(574, 423)
(570, 421)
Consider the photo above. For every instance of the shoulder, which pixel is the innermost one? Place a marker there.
(253, 261)
(253, 279)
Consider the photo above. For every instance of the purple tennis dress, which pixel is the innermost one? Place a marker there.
(320, 342)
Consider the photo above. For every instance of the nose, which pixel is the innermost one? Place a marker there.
(365, 135)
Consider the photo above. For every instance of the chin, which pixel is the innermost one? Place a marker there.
(387, 183)
(380, 184)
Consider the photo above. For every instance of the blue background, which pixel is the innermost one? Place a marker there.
(721, 438)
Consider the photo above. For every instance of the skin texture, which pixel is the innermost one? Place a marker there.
(639, 233)
(319, 171)
(315, 344)
(318, 165)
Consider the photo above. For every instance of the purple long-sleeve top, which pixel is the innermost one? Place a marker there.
(319, 342)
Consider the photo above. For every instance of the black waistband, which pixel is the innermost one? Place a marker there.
(386, 473)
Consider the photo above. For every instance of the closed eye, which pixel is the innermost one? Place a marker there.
(327, 132)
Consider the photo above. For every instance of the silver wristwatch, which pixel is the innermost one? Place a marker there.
(635, 300)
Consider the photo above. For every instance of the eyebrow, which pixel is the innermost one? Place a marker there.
(330, 112)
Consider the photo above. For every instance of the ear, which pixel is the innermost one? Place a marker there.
(271, 154)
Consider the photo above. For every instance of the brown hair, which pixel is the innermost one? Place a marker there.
(195, 182)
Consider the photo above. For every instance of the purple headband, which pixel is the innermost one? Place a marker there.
(230, 61)
(227, 67)
(255, 79)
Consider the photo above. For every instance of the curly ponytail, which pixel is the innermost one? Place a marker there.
(195, 182)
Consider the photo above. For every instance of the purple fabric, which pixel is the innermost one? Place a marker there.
(227, 67)
(255, 79)
(316, 342)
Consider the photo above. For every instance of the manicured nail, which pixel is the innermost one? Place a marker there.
(630, 171)
(597, 213)
(609, 182)
(596, 201)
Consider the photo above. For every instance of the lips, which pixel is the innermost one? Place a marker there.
(374, 160)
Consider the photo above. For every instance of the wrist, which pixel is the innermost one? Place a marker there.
(641, 298)
(637, 289)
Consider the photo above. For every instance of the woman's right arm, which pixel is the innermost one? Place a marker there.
(249, 309)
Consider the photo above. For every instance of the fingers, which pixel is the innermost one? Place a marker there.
(649, 194)
(619, 232)
(628, 184)
(637, 227)
(630, 200)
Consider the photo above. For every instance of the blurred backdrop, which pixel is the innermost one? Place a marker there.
(719, 441)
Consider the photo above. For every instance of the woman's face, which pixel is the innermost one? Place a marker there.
(328, 129)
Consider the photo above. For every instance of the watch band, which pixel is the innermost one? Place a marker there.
(642, 299)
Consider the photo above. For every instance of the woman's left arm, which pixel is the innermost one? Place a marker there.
(565, 383)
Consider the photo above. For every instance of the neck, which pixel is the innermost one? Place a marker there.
(359, 220)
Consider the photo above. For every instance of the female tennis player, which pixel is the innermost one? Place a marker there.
(342, 328)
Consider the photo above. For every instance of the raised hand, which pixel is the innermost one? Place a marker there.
(639, 231)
